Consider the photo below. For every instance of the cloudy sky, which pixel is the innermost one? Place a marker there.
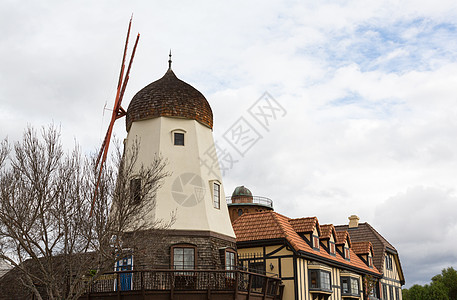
(366, 94)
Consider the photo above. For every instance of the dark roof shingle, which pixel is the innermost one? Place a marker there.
(365, 232)
(169, 97)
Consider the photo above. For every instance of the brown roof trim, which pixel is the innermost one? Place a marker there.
(200, 233)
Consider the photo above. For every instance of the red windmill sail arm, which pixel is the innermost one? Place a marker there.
(118, 112)
(119, 84)
(116, 105)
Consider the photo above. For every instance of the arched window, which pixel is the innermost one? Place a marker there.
(177, 136)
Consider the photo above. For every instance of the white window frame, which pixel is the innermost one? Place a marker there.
(178, 130)
(212, 183)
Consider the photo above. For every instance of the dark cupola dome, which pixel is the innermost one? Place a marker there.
(241, 191)
(169, 97)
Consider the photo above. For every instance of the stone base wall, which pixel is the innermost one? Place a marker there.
(153, 249)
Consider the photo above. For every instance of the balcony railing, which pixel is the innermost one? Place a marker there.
(188, 284)
(255, 199)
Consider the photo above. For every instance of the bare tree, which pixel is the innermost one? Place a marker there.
(46, 231)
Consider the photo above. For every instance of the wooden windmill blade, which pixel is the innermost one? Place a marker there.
(116, 101)
(118, 112)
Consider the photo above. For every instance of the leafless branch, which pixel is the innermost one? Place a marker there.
(46, 231)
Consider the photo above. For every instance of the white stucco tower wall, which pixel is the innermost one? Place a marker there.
(161, 109)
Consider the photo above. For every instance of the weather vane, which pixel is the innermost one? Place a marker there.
(169, 60)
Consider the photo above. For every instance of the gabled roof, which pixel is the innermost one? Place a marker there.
(326, 231)
(365, 232)
(362, 247)
(304, 225)
(269, 226)
(342, 237)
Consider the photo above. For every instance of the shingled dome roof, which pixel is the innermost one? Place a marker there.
(169, 97)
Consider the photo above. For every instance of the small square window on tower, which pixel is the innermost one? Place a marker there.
(179, 139)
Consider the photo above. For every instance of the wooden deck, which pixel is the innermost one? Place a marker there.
(184, 285)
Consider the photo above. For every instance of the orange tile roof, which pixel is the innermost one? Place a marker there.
(341, 237)
(271, 225)
(327, 231)
(258, 226)
(362, 247)
(304, 224)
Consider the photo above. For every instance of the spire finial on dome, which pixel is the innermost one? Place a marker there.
(169, 61)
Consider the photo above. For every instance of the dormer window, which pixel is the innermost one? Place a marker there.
(315, 242)
(332, 248)
(347, 254)
(370, 261)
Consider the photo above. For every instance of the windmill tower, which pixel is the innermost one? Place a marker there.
(172, 119)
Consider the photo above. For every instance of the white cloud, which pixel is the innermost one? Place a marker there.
(369, 89)
(421, 223)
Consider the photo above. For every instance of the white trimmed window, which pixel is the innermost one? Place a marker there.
(178, 137)
(216, 195)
